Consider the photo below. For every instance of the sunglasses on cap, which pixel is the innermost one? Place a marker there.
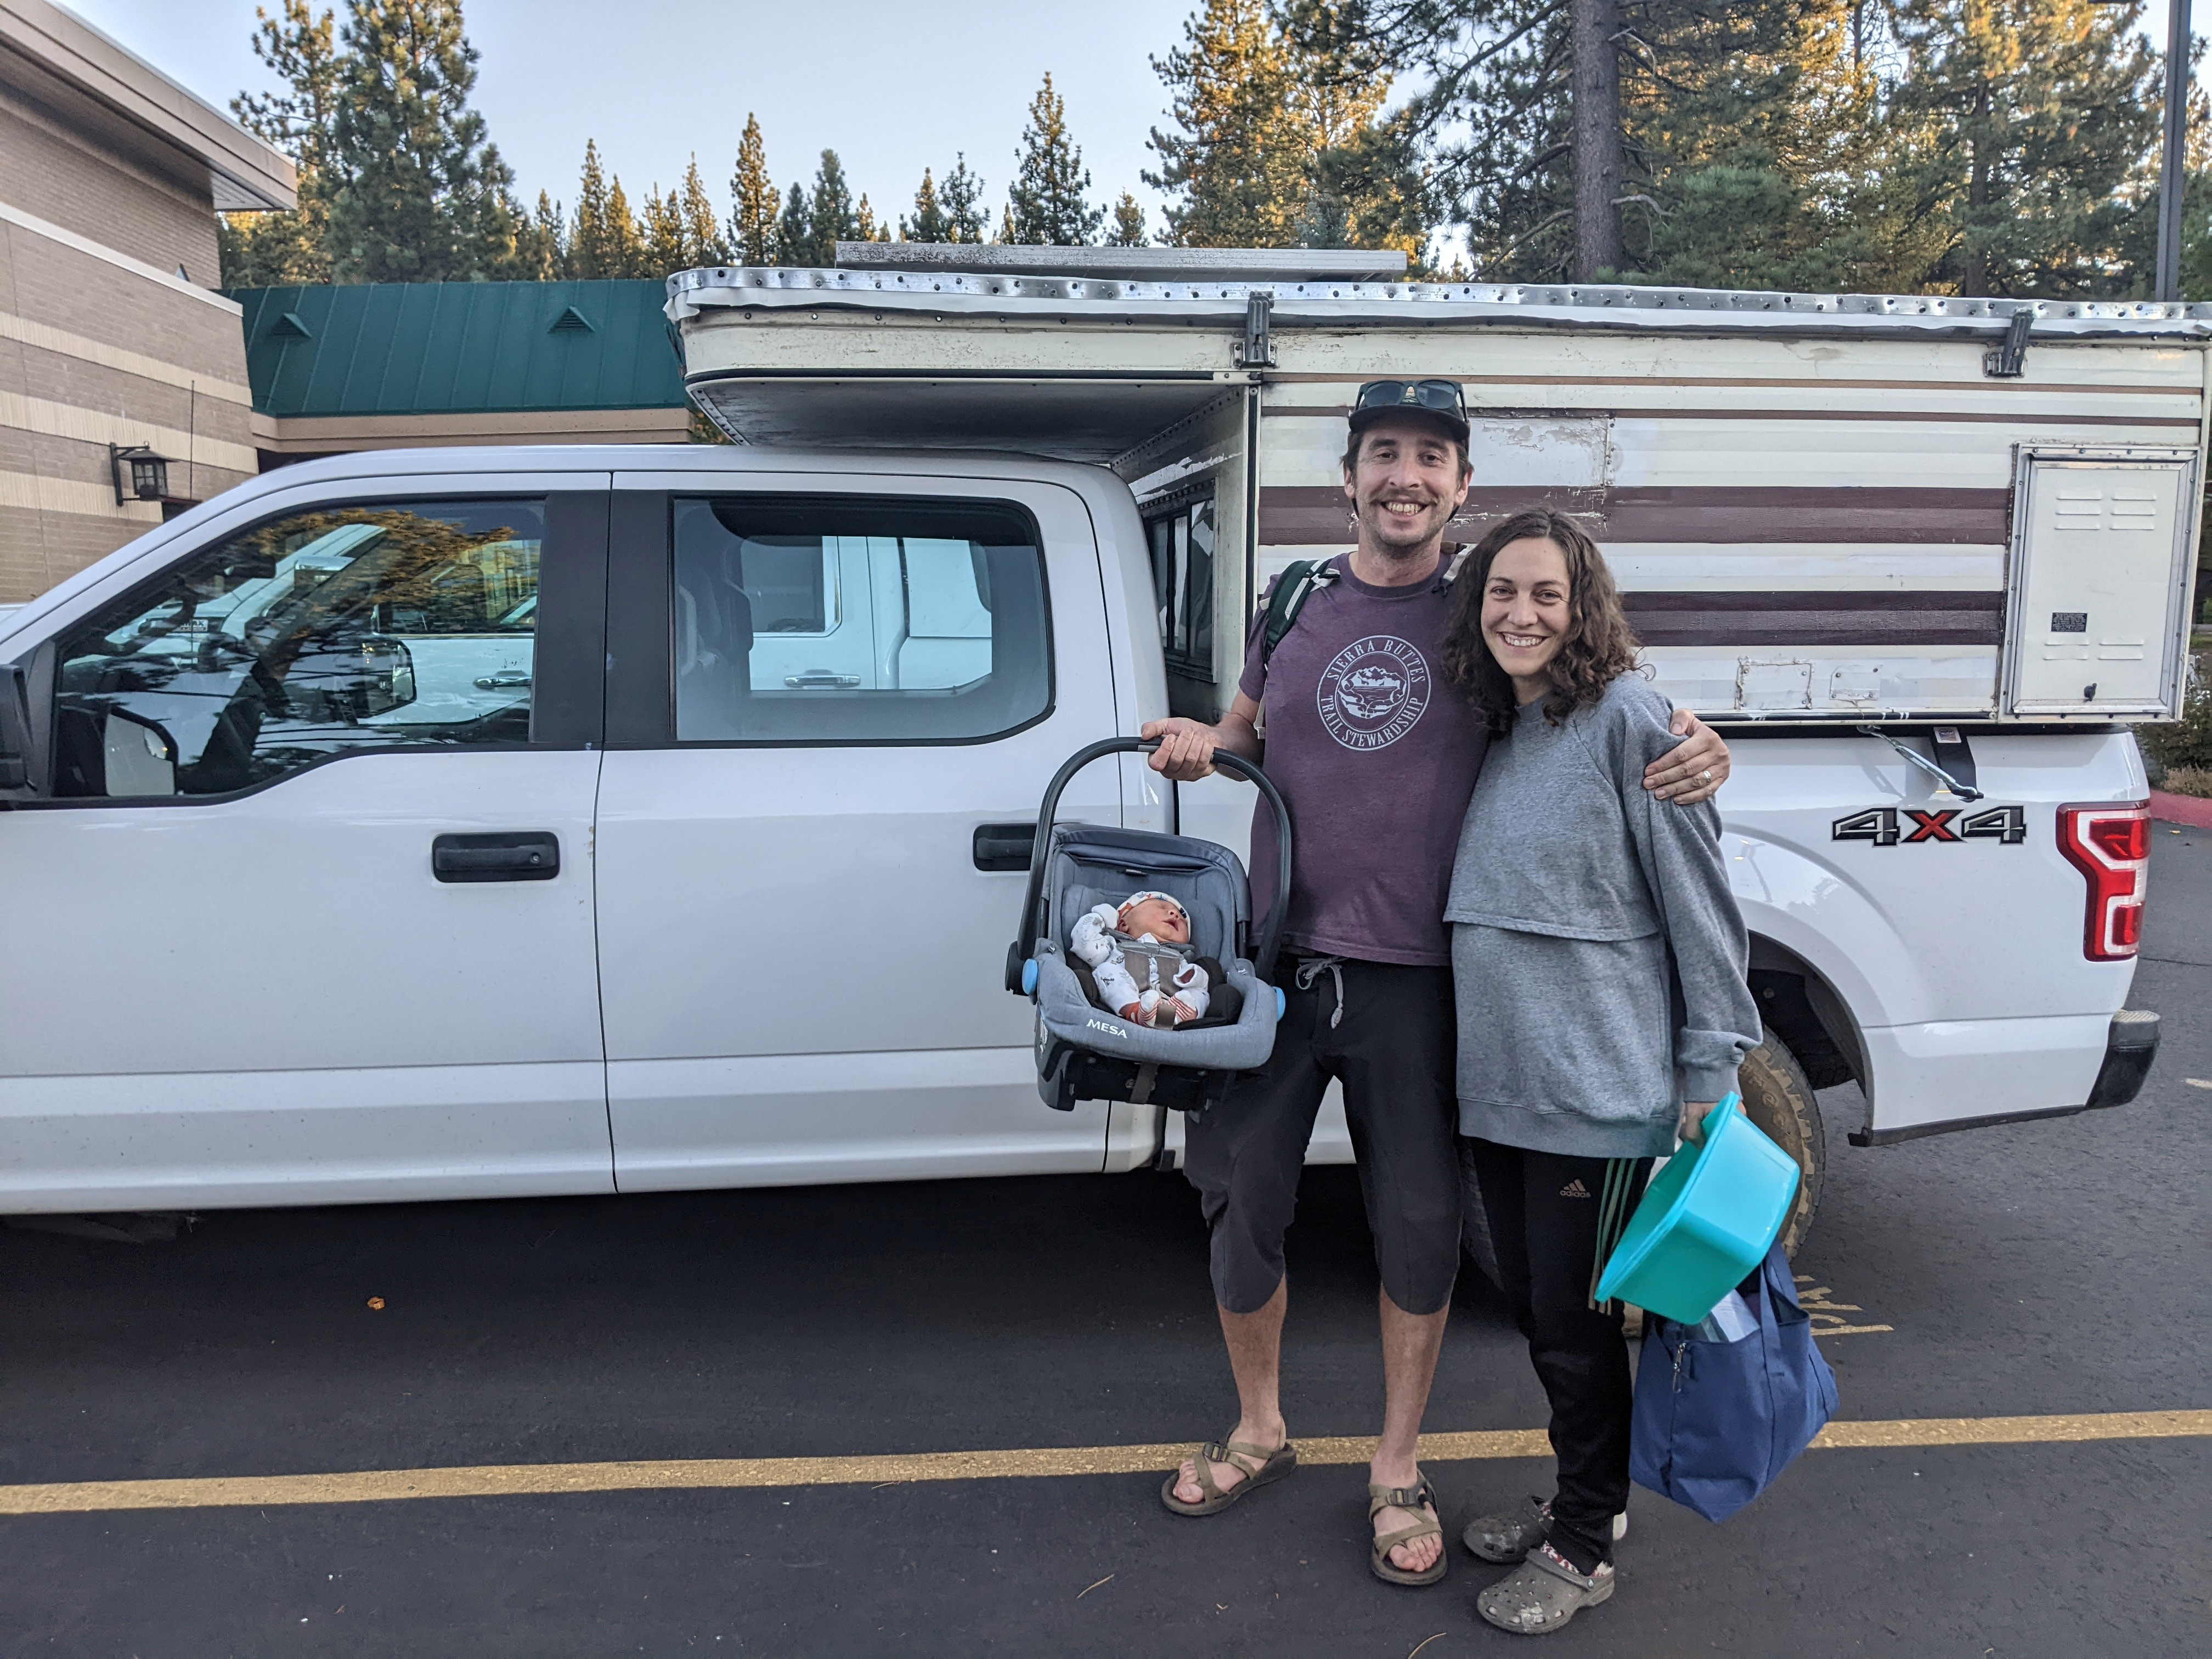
(1437, 396)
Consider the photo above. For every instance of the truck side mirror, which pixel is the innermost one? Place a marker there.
(138, 755)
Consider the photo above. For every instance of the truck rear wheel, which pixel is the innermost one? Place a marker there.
(1777, 1098)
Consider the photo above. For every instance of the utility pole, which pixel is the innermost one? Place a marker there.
(2177, 143)
(2166, 275)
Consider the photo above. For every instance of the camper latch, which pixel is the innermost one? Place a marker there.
(2008, 361)
(1258, 350)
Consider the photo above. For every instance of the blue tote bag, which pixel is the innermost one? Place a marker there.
(1716, 1420)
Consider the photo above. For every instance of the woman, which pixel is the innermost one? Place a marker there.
(1580, 910)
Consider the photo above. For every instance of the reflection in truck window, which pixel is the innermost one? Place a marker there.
(345, 628)
(800, 620)
(1180, 534)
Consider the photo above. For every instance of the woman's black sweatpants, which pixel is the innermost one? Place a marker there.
(1543, 1213)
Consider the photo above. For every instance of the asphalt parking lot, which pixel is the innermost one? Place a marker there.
(2043, 1269)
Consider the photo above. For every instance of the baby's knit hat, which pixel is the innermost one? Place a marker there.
(1150, 893)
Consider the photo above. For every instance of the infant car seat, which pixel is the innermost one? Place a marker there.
(1084, 1052)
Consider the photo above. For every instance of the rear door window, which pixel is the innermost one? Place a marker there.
(802, 621)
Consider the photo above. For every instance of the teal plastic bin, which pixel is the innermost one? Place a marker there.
(1706, 1222)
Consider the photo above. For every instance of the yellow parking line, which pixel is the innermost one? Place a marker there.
(544, 1480)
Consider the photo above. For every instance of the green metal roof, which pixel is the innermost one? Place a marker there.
(456, 348)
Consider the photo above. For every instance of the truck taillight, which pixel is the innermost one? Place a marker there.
(2109, 841)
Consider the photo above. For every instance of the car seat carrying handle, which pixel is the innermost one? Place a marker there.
(1270, 930)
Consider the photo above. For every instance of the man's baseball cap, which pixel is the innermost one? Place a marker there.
(1439, 400)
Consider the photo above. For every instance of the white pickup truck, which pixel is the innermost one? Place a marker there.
(473, 823)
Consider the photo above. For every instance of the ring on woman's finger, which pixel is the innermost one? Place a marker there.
(1705, 776)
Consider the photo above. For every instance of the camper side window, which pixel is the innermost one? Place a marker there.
(1182, 541)
(799, 620)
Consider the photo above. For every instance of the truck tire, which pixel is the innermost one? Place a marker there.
(1779, 1099)
(1776, 1097)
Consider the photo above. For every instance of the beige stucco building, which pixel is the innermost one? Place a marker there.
(113, 336)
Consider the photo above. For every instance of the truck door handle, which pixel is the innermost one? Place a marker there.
(510, 856)
(821, 679)
(1005, 846)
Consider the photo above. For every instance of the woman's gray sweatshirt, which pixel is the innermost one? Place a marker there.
(1572, 889)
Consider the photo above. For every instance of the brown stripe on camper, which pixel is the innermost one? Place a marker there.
(1817, 618)
(1318, 515)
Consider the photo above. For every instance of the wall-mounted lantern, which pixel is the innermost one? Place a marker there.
(147, 478)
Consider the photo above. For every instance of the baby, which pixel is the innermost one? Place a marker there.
(1141, 960)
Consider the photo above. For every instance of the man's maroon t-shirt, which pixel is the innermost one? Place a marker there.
(1376, 757)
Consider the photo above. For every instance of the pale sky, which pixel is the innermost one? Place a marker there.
(891, 88)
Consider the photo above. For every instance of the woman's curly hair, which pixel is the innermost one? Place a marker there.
(1600, 646)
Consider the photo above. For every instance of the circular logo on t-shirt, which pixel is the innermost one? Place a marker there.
(1373, 692)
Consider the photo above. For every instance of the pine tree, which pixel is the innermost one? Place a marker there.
(1048, 204)
(829, 215)
(1007, 235)
(752, 194)
(421, 193)
(864, 222)
(703, 242)
(1239, 164)
(962, 194)
(1277, 142)
(1129, 229)
(1811, 187)
(794, 231)
(2047, 112)
(928, 223)
(1664, 89)
(666, 248)
(541, 251)
(1998, 146)
(261, 249)
(626, 253)
(592, 242)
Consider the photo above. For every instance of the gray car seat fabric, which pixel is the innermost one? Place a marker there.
(1088, 864)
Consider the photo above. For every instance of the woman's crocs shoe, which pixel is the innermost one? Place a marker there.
(1507, 1538)
(1542, 1594)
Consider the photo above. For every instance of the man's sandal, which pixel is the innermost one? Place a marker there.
(1506, 1539)
(1415, 1497)
(1543, 1593)
(1259, 1464)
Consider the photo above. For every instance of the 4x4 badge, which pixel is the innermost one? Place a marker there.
(2006, 826)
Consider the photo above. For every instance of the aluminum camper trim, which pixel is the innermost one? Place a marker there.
(1336, 304)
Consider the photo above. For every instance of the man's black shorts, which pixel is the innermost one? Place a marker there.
(1390, 1034)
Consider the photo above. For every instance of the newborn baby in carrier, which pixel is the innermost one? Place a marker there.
(1142, 965)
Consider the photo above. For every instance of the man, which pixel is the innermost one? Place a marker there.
(1376, 758)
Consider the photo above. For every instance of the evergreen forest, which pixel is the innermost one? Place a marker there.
(1986, 147)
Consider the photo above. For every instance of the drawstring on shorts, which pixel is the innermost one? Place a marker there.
(1309, 970)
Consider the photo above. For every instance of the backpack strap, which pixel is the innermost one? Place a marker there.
(1292, 589)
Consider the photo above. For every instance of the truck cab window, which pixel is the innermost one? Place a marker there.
(380, 626)
(802, 621)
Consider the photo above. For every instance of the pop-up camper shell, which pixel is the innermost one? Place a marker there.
(1828, 509)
